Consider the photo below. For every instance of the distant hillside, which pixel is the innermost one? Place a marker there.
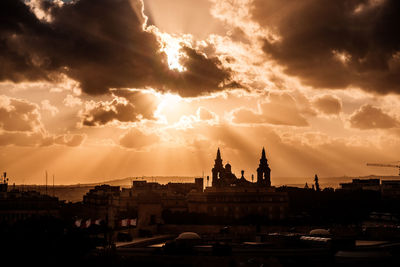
(127, 182)
(276, 181)
(69, 193)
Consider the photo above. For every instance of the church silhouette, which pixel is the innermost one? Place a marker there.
(223, 176)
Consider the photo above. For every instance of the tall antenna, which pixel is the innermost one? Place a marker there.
(46, 182)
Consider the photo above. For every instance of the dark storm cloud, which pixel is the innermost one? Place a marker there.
(101, 44)
(19, 115)
(337, 43)
(127, 106)
(17, 64)
(202, 75)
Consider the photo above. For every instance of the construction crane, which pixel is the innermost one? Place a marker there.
(384, 165)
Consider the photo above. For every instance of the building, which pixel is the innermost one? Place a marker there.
(16, 205)
(235, 197)
(390, 188)
(144, 201)
(172, 196)
(362, 184)
(229, 197)
(102, 202)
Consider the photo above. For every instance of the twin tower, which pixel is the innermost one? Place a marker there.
(224, 177)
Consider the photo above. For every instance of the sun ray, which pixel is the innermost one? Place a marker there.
(169, 105)
(171, 46)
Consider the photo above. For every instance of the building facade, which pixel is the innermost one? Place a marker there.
(234, 197)
(228, 197)
(16, 205)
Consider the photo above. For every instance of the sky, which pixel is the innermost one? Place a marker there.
(98, 90)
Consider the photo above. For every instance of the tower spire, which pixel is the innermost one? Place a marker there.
(218, 170)
(263, 170)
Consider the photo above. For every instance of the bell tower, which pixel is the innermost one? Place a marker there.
(263, 171)
(218, 170)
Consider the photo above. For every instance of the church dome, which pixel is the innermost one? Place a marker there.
(320, 232)
(228, 168)
(188, 236)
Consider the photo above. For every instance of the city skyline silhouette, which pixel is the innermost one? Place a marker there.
(200, 132)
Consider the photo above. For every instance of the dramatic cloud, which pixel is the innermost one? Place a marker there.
(202, 75)
(136, 139)
(335, 44)
(280, 110)
(328, 104)
(72, 101)
(369, 117)
(101, 45)
(19, 115)
(47, 106)
(21, 125)
(127, 106)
